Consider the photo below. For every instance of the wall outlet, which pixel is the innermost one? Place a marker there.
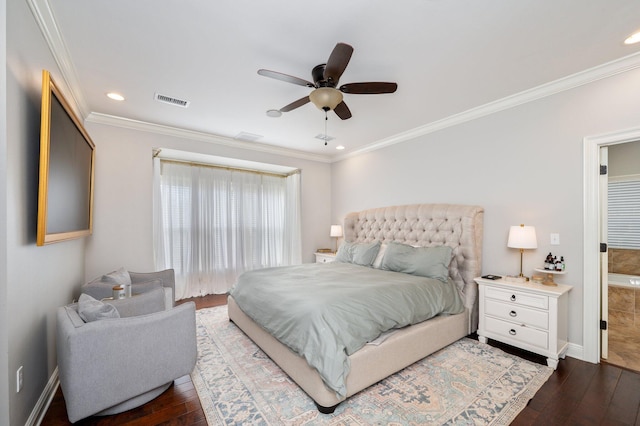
(555, 239)
(19, 379)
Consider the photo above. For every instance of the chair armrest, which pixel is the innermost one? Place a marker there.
(104, 363)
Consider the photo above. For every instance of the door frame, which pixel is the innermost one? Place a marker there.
(591, 237)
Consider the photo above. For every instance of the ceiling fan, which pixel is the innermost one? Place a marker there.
(326, 95)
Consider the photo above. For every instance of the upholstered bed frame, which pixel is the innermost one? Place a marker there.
(458, 226)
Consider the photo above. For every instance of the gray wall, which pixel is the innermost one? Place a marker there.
(35, 280)
(524, 165)
(123, 195)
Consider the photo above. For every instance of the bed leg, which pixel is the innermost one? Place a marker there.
(326, 410)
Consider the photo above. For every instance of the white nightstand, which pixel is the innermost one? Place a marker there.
(325, 257)
(527, 315)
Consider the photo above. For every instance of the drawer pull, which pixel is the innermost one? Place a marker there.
(513, 314)
(513, 297)
(512, 332)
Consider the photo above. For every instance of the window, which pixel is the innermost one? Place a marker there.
(214, 223)
(624, 213)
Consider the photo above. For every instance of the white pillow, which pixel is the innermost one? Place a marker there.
(377, 263)
(91, 309)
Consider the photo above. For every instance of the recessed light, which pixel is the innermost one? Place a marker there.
(633, 38)
(115, 96)
(275, 113)
(340, 147)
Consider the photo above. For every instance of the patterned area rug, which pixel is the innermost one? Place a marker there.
(466, 383)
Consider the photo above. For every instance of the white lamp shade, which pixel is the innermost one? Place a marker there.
(336, 231)
(522, 237)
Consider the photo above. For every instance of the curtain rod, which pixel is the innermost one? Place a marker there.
(233, 169)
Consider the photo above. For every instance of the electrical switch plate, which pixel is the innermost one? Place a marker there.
(555, 239)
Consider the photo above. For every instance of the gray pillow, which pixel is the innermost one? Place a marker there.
(359, 253)
(430, 262)
(91, 309)
(121, 276)
(140, 304)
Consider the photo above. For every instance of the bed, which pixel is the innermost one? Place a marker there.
(457, 228)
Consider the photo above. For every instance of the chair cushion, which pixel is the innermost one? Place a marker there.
(91, 309)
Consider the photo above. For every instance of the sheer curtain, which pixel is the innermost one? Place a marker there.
(211, 224)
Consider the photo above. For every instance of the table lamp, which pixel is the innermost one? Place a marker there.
(336, 232)
(523, 238)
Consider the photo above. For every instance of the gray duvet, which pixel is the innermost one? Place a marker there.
(327, 311)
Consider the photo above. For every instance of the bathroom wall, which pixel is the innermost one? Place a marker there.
(624, 261)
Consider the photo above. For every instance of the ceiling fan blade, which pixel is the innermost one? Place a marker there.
(371, 88)
(337, 62)
(285, 77)
(295, 104)
(342, 111)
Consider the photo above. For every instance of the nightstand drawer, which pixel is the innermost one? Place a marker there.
(325, 257)
(518, 333)
(515, 313)
(525, 299)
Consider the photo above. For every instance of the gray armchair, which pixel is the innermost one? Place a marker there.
(111, 365)
(141, 282)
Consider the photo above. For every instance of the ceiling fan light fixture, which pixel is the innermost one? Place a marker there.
(325, 98)
(274, 113)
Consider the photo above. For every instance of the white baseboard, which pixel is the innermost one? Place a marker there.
(575, 351)
(41, 407)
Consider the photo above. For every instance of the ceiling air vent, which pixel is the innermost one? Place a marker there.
(171, 100)
(324, 137)
(249, 137)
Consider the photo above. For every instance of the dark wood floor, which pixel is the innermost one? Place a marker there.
(577, 393)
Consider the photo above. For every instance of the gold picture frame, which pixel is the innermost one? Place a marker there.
(66, 176)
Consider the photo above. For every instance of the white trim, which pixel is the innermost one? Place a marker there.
(45, 19)
(581, 78)
(575, 351)
(41, 407)
(143, 126)
(591, 220)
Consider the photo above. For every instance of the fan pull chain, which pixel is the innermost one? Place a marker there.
(325, 127)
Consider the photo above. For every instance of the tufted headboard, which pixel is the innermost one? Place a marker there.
(457, 226)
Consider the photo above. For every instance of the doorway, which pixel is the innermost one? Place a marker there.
(621, 294)
(595, 263)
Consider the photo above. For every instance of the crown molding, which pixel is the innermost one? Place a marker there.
(43, 14)
(45, 19)
(581, 78)
(143, 126)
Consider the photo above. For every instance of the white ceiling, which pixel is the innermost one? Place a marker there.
(447, 56)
